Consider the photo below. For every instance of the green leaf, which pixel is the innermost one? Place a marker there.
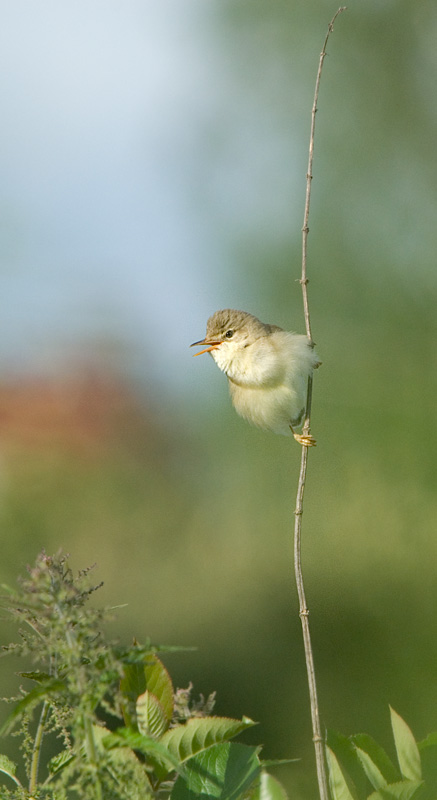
(151, 717)
(159, 683)
(9, 768)
(151, 748)
(132, 684)
(269, 788)
(374, 775)
(378, 756)
(430, 741)
(406, 748)
(196, 735)
(224, 771)
(337, 781)
(347, 756)
(121, 759)
(146, 673)
(6, 765)
(29, 701)
(402, 790)
(58, 762)
(428, 758)
(36, 676)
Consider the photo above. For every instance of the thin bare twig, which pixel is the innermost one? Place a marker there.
(319, 744)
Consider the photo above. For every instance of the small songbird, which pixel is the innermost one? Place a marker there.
(267, 369)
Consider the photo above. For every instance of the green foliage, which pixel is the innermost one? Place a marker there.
(359, 763)
(168, 743)
(269, 788)
(224, 771)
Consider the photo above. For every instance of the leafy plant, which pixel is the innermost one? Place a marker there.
(358, 762)
(167, 744)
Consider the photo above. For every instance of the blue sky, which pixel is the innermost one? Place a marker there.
(104, 105)
(110, 116)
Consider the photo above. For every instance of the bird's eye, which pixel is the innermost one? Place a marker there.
(229, 334)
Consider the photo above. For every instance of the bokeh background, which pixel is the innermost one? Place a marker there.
(152, 170)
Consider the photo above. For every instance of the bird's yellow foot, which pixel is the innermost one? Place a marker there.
(306, 440)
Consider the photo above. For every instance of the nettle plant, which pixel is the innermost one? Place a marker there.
(161, 741)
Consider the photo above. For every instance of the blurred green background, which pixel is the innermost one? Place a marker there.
(122, 450)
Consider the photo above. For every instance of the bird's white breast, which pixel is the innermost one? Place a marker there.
(268, 378)
(255, 364)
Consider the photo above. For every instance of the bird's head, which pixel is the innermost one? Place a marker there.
(230, 331)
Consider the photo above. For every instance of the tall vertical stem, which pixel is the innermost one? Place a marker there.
(34, 764)
(319, 745)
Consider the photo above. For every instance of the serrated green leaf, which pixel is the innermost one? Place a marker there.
(159, 683)
(337, 781)
(196, 735)
(378, 755)
(402, 790)
(151, 717)
(120, 757)
(58, 762)
(406, 748)
(8, 768)
(6, 765)
(29, 701)
(151, 748)
(224, 771)
(269, 788)
(374, 775)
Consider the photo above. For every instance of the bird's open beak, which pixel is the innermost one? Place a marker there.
(211, 346)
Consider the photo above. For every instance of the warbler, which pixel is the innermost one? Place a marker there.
(267, 369)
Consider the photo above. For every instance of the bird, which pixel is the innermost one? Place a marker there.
(267, 370)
